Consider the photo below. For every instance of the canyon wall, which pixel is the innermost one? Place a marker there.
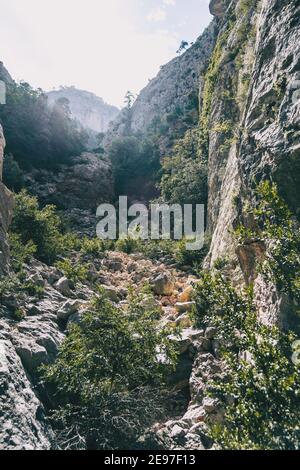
(253, 125)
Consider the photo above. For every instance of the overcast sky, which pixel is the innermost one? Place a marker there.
(104, 46)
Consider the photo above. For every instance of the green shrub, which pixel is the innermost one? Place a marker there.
(156, 249)
(19, 314)
(221, 263)
(32, 289)
(12, 174)
(192, 258)
(92, 246)
(127, 245)
(37, 227)
(20, 252)
(184, 173)
(276, 225)
(7, 285)
(107, 376)
(264, 389)
(76, 271)
(266, 410)
(218, 304)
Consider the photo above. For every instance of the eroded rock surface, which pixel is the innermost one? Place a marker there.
(83, 184)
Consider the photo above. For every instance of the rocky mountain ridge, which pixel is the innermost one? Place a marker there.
(169, 94)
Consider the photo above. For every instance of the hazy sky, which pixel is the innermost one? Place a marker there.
(104, 46)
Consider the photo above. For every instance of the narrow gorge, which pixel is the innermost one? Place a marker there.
(217, 328)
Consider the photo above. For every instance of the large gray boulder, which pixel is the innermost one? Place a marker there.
(22, 416)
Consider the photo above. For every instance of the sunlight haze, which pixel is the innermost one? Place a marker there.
(107, 47)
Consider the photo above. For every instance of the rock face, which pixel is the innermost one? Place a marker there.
(173, 89)
(265, 117)
(256, 78)
(26, 344)
(22, 416)
(6, 207)
(83, 184)
(91, 111)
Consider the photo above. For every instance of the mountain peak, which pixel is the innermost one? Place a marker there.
(89, 109)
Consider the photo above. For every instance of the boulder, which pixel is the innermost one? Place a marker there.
(183, 321)
(36, 279)
(195, 414)
(183, 307)
(69, 308)
(177, 432)
(186, 295)
(63, 286)
(163, 284)
(211, 332)
(210, 405)
(112, 293)
(53, 275)
(187, 338)
(32, 355)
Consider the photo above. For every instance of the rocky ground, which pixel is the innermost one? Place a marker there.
(34, 339)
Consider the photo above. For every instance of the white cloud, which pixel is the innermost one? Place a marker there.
(157, 15)
(169, 2)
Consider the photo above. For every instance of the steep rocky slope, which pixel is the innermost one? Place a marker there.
(91, 111)
(33, 340)
(77, 188)
(84, 184)
(262, 70)
(169, 95)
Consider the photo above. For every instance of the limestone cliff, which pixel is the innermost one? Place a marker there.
(250, 121)
(252, 124)
(250, 113)
(169, 95)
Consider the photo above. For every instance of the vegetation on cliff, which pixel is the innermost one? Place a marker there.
(37, 135)
(260, 387)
